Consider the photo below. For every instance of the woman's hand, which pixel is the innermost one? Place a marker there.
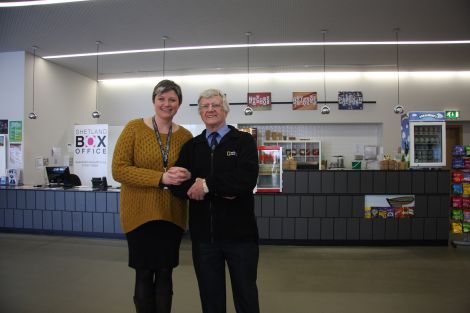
(175, 175)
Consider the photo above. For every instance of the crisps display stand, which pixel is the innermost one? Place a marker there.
(460, 199)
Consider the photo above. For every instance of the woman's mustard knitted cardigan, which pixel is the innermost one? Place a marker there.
(138, 166)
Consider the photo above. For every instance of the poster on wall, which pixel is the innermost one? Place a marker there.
(15, 131)
(3, 156)
(259, 101)
(304, 100)
(90, 152)
(15, 150)
(350, 100)
(389, 206)
(3, 127)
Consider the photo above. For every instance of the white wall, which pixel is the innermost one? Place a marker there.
(122, 101)
(62, 99)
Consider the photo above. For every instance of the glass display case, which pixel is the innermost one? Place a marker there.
(270, 169)
(307, 153)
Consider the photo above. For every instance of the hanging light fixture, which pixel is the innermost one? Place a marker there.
(398, 109)
(164, 55)
(96, 113)
(248, 109)
(33, 115)
(325, 109)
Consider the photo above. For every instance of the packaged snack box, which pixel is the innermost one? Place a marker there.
(457, 189)
(457, 228)
(467, 150)
(457, 215)
(458, 150)
(466, 203)
(457, 177)
(466, 163)
(466, 177)
(466, 227)
(466, 215)
(457, 202)
(466, 188)
(458, 163)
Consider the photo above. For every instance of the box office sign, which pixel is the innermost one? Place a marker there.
(90, 151)
(259, 101)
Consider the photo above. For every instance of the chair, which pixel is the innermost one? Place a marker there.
(75, 180)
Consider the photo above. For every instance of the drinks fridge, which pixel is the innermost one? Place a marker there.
(427, 139)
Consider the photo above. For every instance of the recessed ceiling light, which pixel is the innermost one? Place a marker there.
(38, 2)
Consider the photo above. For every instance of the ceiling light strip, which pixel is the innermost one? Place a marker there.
(38, 2)
(288, 44)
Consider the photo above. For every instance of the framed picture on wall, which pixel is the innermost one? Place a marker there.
(259, 101)
(304, 100)
(350, 100)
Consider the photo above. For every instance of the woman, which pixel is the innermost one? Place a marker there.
(151, 217)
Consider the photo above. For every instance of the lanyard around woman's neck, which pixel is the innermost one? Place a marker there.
(164, 150)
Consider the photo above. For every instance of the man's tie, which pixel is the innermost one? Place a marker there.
(214, 140)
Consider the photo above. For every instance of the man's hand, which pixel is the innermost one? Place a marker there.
(196, 192)
(175, 176)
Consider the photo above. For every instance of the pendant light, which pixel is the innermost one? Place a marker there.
(398, 109)
(164, 55)
(33, 115)
(248, 109)
(96, 113)
(325, 109)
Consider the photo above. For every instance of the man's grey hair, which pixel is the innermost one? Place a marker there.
(209, 93)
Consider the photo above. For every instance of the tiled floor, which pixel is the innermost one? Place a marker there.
(51, 274)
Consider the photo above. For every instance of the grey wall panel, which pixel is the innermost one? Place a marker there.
(47, 220)
(365, 229)
(21, 199)
(345, 206)
(70, 201)
(257, 205)
(443, 180)
(275, 228)
(98, 223)
(340, 229)
(319, 206)
(67, 221)
(87, 221)
(421, 206)
(280, 206)
(430, 229)
(301, 228)
(327, 182)
(288, 182)
(380, 181)
(267, 206)
(301, 182)
(117, 224)
(430, 182)
(3, 199)
(391, 229)
(77, 221)
(332, 206)
(444, 207)
(263, 227)
(442, 229)
(57, 220)
(293, 206)
(367, 182)
(37, 219)
(59, 200)
(314, 228)
(354, 182)
(90, 201)
(341, 182)
(405, 182)
(9, 218)
(50, 200)
(314, 182)
(434, 206)
(378, 229)
(417, 228)
(352, 229)
(11, 199)
(108, 223)
(393, 182)
(306, 206)
(404, 229)
(100, 202)
(327, 228)
(2, 217)
(28, 219)
(358, 206)
(40, 200)
(417, 182)
(80, 201)
(18, 218)
(288, 228)
(31, 199)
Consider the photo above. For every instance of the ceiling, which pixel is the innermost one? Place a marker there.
(141, 24)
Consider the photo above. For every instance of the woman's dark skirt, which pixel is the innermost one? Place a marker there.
(154, 245)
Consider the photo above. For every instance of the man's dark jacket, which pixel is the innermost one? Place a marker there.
(232, 171)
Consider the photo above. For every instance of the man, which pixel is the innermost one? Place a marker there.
(223, 162)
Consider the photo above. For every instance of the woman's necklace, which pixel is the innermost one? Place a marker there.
(163, 149)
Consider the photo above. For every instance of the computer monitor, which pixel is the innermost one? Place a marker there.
(58, 175)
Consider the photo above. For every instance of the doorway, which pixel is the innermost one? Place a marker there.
(454, 134)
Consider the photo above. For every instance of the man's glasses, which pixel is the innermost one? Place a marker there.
(214, 106)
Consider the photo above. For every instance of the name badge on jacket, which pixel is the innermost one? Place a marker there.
(231, 153)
